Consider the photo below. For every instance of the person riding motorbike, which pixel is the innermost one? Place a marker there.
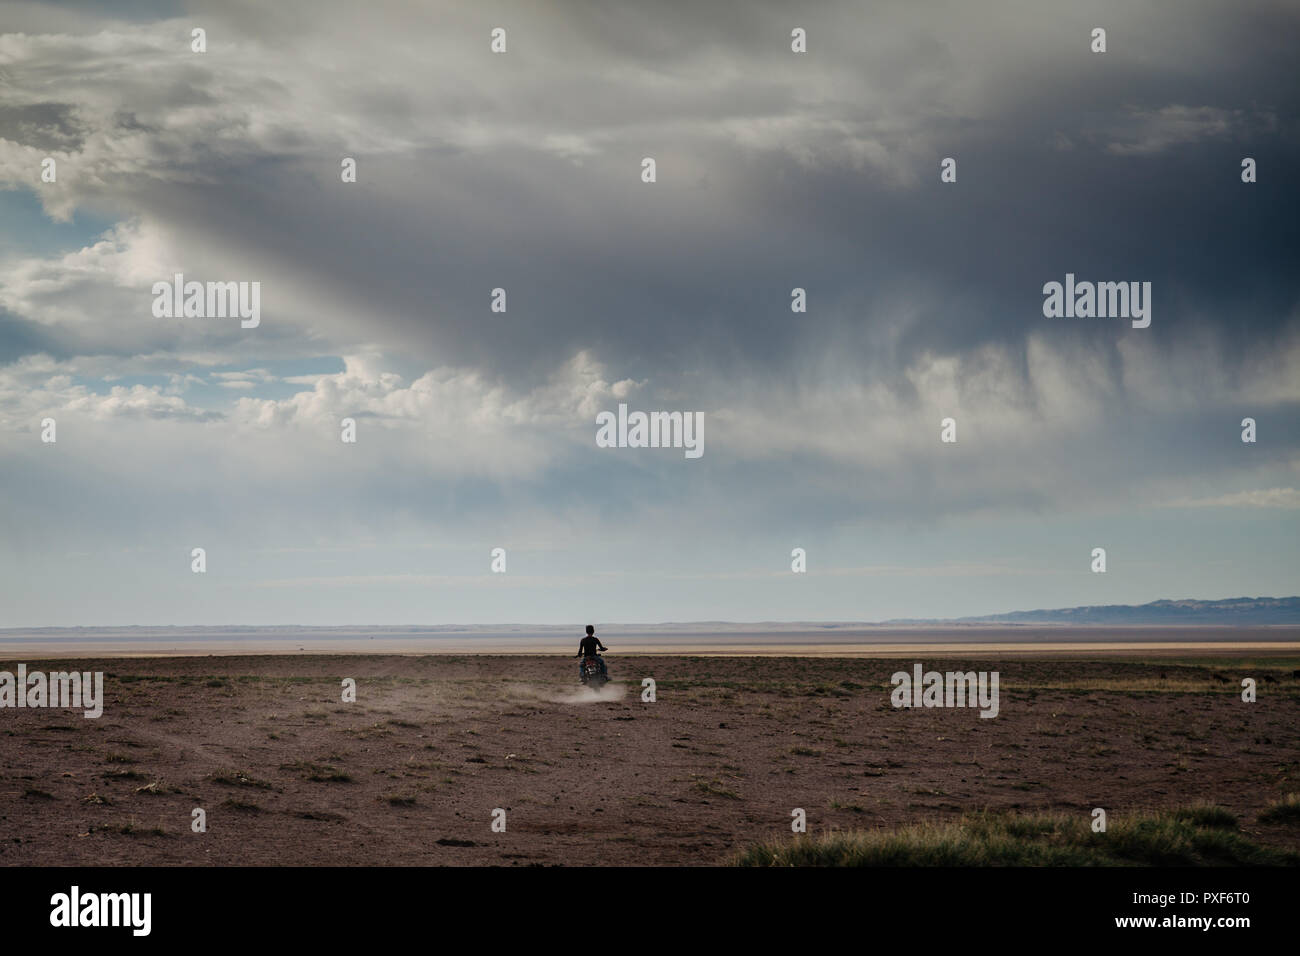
(588, 647)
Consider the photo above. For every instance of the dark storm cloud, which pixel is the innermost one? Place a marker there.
(775, 170)
(1120, 166)
(51, 126)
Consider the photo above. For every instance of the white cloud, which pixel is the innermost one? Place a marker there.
(37, 386)
(454, 398)
(1144, 132)
(1286, 498)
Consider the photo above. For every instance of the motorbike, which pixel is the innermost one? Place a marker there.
(591, 673)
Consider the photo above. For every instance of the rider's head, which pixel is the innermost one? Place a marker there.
(590, 630)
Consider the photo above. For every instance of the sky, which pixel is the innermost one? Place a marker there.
(523, 170)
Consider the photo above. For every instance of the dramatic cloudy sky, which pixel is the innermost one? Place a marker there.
(476, 430)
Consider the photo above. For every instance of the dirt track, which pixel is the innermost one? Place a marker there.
(411, 772)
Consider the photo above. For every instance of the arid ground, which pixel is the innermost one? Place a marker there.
(412, 771)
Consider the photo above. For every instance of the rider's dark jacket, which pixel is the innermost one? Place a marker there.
(588, 646)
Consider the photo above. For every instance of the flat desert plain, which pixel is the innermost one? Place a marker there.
(412, 772)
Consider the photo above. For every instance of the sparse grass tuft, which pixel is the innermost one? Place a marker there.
(240, 806)
(1207, 815)
(318, 772)
(855, 807)
(130, 828)
(716, 788)
(158, 787)
(237, 778)
(1286, 810)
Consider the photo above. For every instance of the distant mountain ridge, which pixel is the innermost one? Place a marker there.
(1225, 612)
(1242, 610)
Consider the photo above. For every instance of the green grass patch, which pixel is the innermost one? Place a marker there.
(1191, 836)
(123, 775)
